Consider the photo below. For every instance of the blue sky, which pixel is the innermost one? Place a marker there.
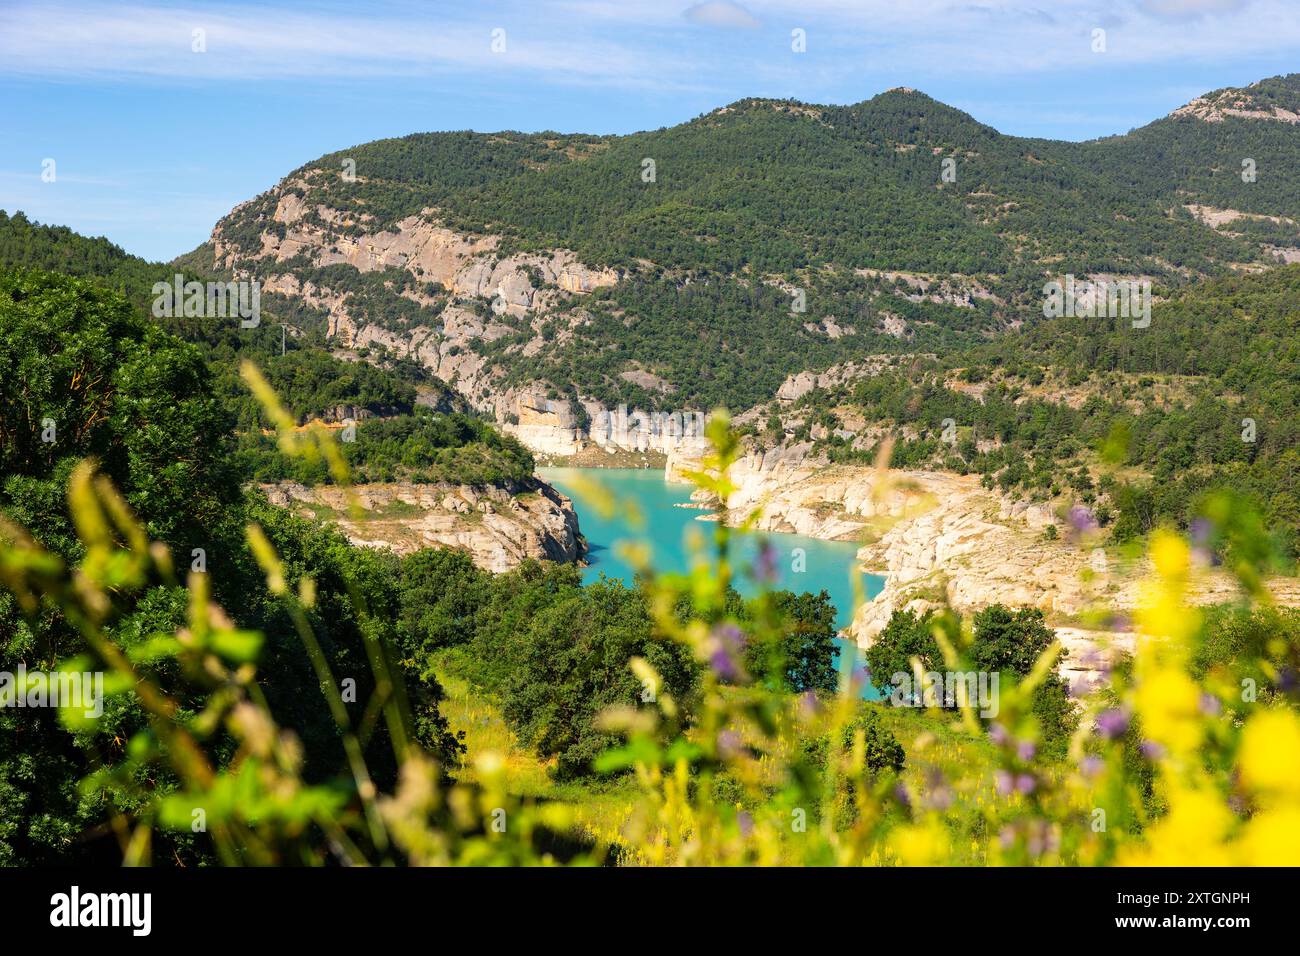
(154, 141)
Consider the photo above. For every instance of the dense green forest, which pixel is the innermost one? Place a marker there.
(1183, 159)
(393, 441)
(773, 186)
(555, 652)
(1229, 345)
(424, 447)
(713, 224)
(111, 385)
(720, 343)
(85, 373)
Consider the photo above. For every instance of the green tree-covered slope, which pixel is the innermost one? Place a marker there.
(710, 226)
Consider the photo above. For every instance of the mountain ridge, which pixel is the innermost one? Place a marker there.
(664, 266)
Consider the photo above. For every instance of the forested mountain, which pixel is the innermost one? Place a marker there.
(423, 431)
(124, 462)
(768, 186)
(1203, 398)
(701, 264)
(1199, 153)
(290, 685)
(705, 263)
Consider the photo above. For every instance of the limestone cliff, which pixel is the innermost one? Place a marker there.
(466, 295)
(551, 427)
(497, 528)
(942, 539)
(469, 295)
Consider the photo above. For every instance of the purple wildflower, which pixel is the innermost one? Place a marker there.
(1119, 622)
(1111, 724)
(729, 744)
(1025, 783)
(940, 799)
(765, 569)
(729, 641)
(1025, 750)
(902, 796)
(1082, 520)
(1200, 531)
(1003, 782)
(1151, 750)
(808, 704)
(746, 823)
(937, 794)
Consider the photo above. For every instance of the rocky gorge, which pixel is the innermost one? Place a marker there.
(489, 304)
(498, 527)
(485, 294)
(942, 540)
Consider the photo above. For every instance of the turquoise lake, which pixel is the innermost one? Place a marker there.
(665, 529)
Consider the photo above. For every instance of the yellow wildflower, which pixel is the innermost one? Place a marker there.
(1168, 702)
(920, 844)
(1272, 838)
(1191, 834)
(1170, 554)
(1270, 753)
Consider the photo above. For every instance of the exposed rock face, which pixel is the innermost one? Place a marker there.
(488, 295)
(551, 427)
(797, 495)
(799, 384)
(1227, 221)
(636, 430)
(464, 265)
(1089, 654)
(497, 528)
(948, 541)
(1240, 103)
(942, 539)
(547, 427)
(491, 296)
(961, 291)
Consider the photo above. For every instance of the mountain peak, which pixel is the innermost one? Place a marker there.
(1276, 98)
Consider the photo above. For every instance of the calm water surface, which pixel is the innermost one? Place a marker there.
(665, 529)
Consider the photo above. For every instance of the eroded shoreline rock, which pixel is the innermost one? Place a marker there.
(498, 528)
(941, 539)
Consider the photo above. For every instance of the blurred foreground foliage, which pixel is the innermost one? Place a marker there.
(1188, 756)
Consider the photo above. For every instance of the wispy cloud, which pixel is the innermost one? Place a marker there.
(244, 42)
(633, 43)
(1029, 36)
(722, 13)
(1180, 9)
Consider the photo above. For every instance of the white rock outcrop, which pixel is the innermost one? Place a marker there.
(497, 528)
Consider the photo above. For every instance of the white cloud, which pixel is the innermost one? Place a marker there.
(1177, 9)
(722, 13)
(250, 42)
(634, 44)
